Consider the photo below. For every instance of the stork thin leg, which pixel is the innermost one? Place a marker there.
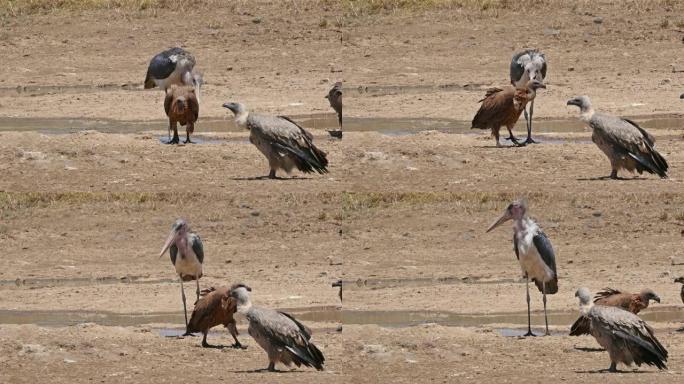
(529, 124)
(546, 319)
(529, 319)
(185, 310)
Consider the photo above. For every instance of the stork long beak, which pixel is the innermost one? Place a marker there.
(169, 241)
(504, 218)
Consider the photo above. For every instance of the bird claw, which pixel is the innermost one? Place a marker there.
(531, 141)
(238, 346)
(173, 141)
(529, 334)
(188, 334)
(188, 141)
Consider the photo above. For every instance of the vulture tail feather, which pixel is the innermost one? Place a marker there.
(641, 350)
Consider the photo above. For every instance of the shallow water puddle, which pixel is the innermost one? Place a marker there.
(323, 121)
(80, 281)
(63, 318)
(326, 314)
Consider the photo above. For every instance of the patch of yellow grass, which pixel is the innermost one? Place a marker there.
(21, 200)
(23, 7)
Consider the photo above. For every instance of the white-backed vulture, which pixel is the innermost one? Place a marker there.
(627, 145)
(626, 337)
(285, 144)
(284, 339)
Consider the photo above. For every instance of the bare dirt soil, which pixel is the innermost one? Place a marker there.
(400, 219)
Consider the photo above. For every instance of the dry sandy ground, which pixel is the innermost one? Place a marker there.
(394, 213)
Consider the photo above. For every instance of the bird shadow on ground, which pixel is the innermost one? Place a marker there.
(602, 178)
(605, 370)
(585, 349)
(265, 370)
(254, 178)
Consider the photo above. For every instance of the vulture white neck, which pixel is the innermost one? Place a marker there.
(586, 115)
(241, 118)
(243, 308)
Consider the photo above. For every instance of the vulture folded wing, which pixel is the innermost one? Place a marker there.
(205, 308)
(657, 159)
(628, 138)
(629, 334)
(194, 104)
(495, 106)
(545, 249)
(580, 326)
(283, 333)
(291, 138)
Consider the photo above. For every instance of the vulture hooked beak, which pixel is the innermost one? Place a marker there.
(504, 218)
(576, 102)
(231, 106)
(679, 280)
(656, 298)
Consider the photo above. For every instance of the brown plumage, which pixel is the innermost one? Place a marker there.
(609, 297)
(633, 302)
(334, 96)
(182, 107)
(215, 307)
(503, 106)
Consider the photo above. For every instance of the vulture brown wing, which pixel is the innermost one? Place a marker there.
(206, 308)
(495, 107)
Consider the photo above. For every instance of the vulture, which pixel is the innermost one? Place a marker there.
(527, 65)
(626, 337)
(285, 144)
(534, 253)
(284, 339)
(187, 256)
(503, 106)
(334, 97)
(182, 107)
(173, 66)
(215, 307)
(627, 145)
(632, 302)
(681, 293)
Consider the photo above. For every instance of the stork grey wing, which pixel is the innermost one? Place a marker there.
(515, 247)
(173, 251)
(545, 249)
(161, 66)
(197, 247)
(516, 67)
